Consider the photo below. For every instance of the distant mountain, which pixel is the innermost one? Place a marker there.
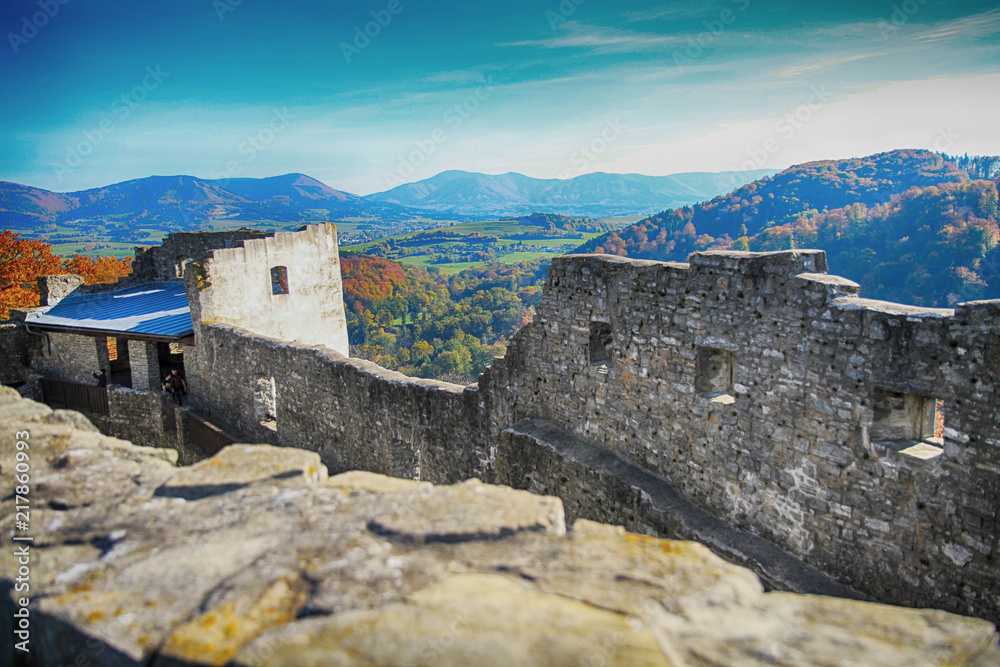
(592, 195)
(909, 225)
(177, 203)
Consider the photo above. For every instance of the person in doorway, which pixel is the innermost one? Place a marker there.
(176, 385)
(101, 377)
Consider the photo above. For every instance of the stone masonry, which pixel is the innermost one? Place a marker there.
(785, 445)
(287, 286)
(747, 400)
(763, 390)
(256, 558)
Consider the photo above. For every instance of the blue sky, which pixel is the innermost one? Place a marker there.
(96, 92)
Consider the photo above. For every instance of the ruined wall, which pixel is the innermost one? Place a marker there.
(65, 356)
(286, 287)
(166, 261)
(754, 383)
(760, 388)
(137, 416)
(353, 413)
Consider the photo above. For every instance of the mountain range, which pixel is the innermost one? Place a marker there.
(185, 202)
(596, 195)
(180, 203)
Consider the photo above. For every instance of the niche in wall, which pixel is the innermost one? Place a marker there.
(902, 416)
(599, 351)
(911, 423)
(715, 373)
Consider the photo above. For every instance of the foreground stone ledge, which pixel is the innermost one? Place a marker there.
(254, 557)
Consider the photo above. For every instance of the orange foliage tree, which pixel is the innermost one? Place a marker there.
(101, 270)
(22, 261)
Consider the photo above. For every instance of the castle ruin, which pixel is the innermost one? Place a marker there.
(747, 400)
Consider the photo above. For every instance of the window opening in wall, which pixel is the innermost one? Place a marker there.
(714, 375)
(265, 403)
(600, 343)
(179, 264)
(910, 423)
(279, 280)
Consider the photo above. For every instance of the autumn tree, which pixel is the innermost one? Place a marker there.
(102, 270)
(22, 261)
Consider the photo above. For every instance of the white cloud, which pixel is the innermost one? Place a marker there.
(601, 39)
(950, 115)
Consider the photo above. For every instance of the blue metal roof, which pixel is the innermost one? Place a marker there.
(151, 309)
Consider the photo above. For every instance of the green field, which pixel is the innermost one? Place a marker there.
(515, 257)
(447, 269)
(114, 249)
(543, 248)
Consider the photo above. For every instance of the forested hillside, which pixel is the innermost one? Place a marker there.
(426, 324)
(910, 226)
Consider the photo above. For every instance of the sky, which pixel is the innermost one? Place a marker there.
(367, 95)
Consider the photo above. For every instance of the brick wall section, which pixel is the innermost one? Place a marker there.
(790, 456)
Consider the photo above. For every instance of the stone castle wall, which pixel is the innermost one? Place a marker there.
(762, 389)
(799, 443)
(15, 346)
(355, 414)
(65, 356)
(286, 287)
(166, 261)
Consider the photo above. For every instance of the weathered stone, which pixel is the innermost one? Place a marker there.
(214, 637)
(469, 619)
(362, 481)
(239, 465)
(133, 578)
(469, 511)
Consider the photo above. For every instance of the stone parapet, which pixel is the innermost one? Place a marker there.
(257, 558)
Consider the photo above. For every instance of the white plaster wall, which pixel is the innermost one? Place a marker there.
(237, 288)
